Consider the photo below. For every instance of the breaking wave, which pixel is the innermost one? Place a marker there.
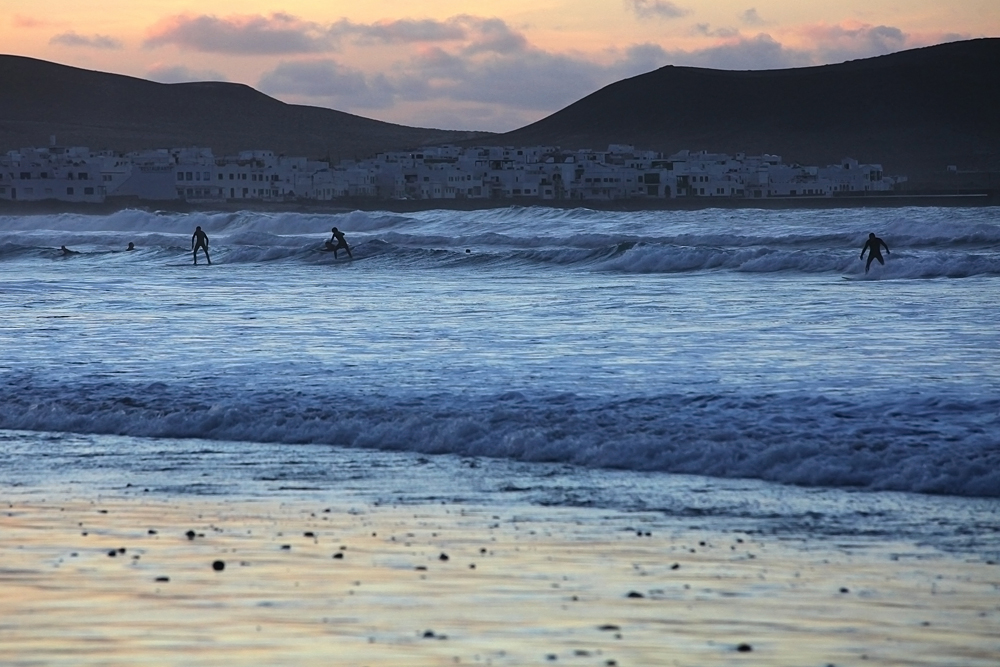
(645, 242)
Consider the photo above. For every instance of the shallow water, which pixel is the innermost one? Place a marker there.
(724, 345)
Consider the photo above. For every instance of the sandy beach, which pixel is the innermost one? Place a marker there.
(128, 580)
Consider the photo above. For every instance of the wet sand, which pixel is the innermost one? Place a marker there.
(126, 581)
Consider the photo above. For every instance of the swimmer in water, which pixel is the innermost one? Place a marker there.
(67, 251)
(131, 246)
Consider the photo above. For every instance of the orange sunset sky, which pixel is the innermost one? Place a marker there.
(467, 65)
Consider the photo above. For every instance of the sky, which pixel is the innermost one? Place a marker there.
(488, 65)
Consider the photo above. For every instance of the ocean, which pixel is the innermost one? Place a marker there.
(726, 367)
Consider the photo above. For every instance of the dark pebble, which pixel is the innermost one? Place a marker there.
(483, 550)
(844, 590)
(472, 566)
(163, 579)
(635, 594)
(218, 566)
(286, 547)
(744, 648)
(309, 534)
(151, 531)
(112, 553)
(551, 656)
(611, 663)
(608, 627)
(121, 550)
(339, 555)
(443, 557)
(421, 568)
(190, 534)
(675, 566)
(428, 634)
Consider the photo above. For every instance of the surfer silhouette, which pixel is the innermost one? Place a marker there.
(131, 246)
(873, 246)
(341, 243)
(67, 251)
(200, 240)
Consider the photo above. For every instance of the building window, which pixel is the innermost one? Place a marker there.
(69, 191)
(82, 176)
(88, 191)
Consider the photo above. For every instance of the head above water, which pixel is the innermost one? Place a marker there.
(198, 228)
(131, 245)
(334, 230)
(871, 235)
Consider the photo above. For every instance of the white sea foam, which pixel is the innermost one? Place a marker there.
(716, 343)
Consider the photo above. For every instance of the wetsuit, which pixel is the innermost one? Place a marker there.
(200, 240)
(873, 245)
(341, 243)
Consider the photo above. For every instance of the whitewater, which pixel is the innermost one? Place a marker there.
(712, 362)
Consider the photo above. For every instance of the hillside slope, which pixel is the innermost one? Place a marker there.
(109, 111)
(915, 111)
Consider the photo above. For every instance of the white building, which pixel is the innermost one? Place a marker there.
(544, 173)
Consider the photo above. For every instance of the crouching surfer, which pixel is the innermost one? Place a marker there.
(873, 245)
(338, 242)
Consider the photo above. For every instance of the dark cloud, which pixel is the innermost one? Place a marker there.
(328, 80)
(405, 30)
(92, 41)
(283, 34)
(760, 52)
(488, 73)
(708, 31)
(752, 18)
(836, 43)
(663, 9)
(181, 74)
(493, 35)
(244, 35)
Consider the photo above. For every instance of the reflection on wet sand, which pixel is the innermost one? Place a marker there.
(203, 581)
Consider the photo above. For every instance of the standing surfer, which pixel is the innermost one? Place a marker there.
(200, 240)
(873, 245)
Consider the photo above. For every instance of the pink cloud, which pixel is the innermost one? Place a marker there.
(20, 21)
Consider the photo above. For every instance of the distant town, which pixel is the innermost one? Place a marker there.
(544, 173)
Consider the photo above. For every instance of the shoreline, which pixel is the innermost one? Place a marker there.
(325, 578)
(347, 205)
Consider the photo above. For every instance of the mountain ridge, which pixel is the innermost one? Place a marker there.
(914, 111)
(100, 110)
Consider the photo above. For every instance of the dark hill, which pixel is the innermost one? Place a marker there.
(915, 112)
(109, 111)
